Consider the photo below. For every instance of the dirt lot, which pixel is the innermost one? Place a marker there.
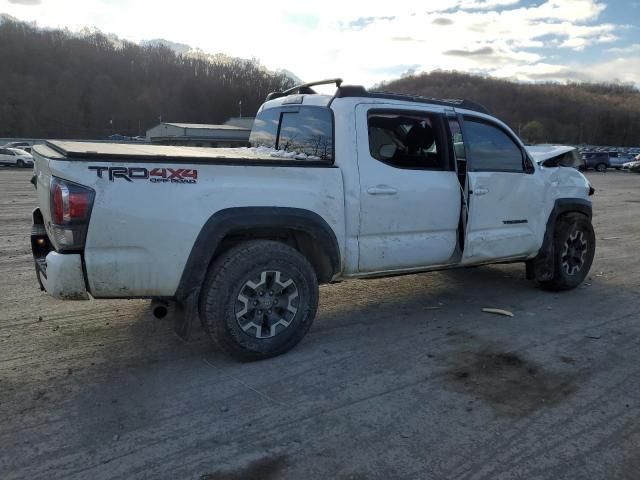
(398, 378)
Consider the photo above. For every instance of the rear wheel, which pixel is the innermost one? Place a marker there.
(259, 299)
(601, 167)
(574, 248)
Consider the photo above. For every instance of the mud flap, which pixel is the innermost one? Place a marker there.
(186, 313)
(540, 268)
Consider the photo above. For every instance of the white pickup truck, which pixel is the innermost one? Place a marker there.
(353, 185)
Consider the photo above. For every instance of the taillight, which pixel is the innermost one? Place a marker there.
(58, 190)
(70, 210)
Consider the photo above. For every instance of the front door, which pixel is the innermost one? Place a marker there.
(409, 193)
(505, 195)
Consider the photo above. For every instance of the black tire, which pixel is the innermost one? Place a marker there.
(251, 278)
(20, 164)
(601, 167)
(574, 249)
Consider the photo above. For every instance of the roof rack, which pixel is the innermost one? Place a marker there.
(447, 102)
(360, 91)
(305, 88)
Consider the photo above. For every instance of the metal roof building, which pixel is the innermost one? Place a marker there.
(233, 133)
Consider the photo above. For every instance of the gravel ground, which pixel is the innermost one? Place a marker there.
(402, 377)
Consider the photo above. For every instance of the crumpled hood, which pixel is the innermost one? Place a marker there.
(540, 153)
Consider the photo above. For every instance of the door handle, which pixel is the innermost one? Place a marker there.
(382, 190)
(480, 191)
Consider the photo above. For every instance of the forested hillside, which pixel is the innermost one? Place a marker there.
(55, 84)
(597, 114)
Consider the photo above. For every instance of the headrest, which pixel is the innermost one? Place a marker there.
(419, 137)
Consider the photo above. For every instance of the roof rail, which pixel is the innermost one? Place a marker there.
(447, 102)
(305, 88)
(360, 91)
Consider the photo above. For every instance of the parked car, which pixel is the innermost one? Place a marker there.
(617, 159)
(17, 145)
(597, 160)
(117, 137)
(14, 157)
(633, 166)
(351, 185)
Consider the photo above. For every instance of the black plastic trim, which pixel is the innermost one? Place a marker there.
(236, 220)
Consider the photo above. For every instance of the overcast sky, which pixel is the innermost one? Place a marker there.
(367, 42)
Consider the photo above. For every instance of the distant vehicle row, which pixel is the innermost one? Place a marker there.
(601, 161)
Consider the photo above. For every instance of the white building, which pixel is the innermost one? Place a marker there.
(233, 133)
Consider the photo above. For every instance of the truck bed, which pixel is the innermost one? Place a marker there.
(131, 153)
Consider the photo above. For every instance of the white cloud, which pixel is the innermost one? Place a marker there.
(633, 48)
(361, 45)
(625, 70)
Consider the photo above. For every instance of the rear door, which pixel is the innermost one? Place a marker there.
(505, 194)
(409, 193)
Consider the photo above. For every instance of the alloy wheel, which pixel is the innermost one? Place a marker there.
(267, 304)
(573, 253)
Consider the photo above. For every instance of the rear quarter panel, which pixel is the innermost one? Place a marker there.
(141, 233)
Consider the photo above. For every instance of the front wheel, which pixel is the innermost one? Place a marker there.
(259, 299)
(574, 249)
(20, 164)
(601, 167)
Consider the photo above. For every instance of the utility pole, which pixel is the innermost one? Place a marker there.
(240, 107)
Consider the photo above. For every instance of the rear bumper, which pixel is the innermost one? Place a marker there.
(59, 274)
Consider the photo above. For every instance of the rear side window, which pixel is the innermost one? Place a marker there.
(305, 131)
(491, 148)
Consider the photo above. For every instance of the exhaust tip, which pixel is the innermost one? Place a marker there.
(159, 310)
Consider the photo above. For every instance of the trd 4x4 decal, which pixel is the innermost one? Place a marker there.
(154, 175)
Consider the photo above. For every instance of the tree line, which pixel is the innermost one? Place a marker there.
(54, 84)
(572, 113)
(57, 85)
